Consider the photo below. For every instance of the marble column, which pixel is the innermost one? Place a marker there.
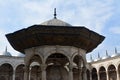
(84, 73)
(90, 75)
(98, 75)
(26, 73)
(70, 72)
(117, 71)
(107, 75)
(43, 69)
(13, 76)
(29, 72)
(79, 71)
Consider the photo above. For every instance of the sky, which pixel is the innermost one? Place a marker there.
(101, 16)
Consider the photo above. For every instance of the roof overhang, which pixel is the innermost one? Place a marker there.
(39, 35)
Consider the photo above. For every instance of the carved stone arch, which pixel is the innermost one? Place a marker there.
(27, 58)
(78, 67)
(102, 73)
(50, 52)
(112, 72)
(35, 58)
(18, 65)
(118, 63)
(6, 70)
(98, 68)
(30, 59)
(58, 54)
(94, 74)
(37, 52)
(56, 67)
(7, 62)
(109, 65)
(80, 57)
(19, 72)
(73, 55)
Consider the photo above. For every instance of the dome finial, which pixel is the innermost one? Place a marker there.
(55, 13)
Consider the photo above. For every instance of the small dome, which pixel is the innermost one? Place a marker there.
(6, 53)
(106, 56)
(55, 22)
(20, 55)
(114, 55)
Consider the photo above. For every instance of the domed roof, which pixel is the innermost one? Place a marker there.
(55, 22)
(20, 55)
(6, 53)
(115, 54)
(106, 56)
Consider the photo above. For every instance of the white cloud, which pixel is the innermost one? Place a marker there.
(115, 30)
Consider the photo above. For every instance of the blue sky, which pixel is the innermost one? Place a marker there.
(101, 16)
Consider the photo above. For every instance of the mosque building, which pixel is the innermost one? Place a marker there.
(56, 50)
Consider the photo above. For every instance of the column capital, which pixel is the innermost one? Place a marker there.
(70, 67)
(43, 67)
(84, 69)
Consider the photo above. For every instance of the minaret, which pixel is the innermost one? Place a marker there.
(107, 54)
(6, 49)
(99, 56)
(116, 53)
(91, 59)
(115, 50)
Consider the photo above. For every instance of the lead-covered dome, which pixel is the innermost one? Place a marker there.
(55, 22)
(20, 55)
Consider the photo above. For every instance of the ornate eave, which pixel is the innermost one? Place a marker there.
(39, 35)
